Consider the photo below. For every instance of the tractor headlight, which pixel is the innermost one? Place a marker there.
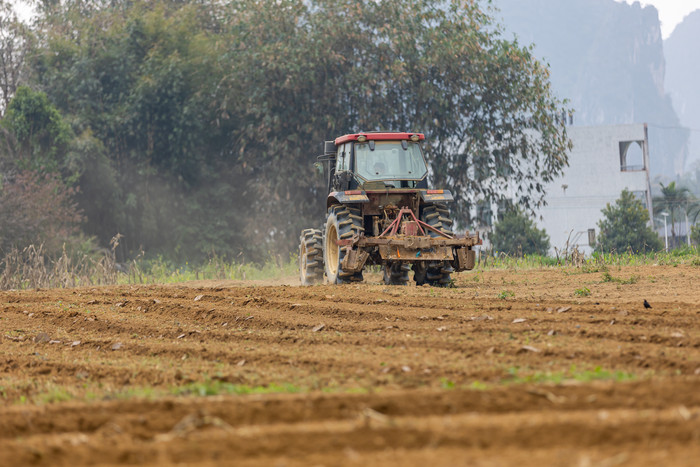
(361, 138)
(415, 138)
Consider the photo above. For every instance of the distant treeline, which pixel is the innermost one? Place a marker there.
(190, 127)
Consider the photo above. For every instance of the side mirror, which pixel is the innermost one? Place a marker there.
(329, 147)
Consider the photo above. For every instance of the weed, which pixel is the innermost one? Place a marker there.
(607, 277)
(216, 387)
(479, 386)
(55, 395)
(558, 377)
(582, 292)
(446, 383)
(505, 294)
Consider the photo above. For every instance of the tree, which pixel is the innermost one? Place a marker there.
(675, 200)
(625, 227)
(516, 234)
(189, 100)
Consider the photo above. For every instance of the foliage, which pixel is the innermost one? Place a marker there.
(35, 134)
(624, 227)
(516, 234)
(193, 122)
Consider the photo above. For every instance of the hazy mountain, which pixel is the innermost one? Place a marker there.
(607, 58)
(683, 77)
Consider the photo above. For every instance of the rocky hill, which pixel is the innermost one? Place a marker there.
(607, 58)
(682, 78)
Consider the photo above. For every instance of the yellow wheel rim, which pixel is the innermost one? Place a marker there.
(302, 260)
(332, 249)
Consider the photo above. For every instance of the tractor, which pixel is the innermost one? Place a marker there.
(380, 211)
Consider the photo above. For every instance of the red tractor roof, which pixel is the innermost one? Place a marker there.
(378, 137)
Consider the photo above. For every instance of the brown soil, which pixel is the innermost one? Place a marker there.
(508, 367)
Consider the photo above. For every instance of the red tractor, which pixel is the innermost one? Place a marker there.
(380, 211)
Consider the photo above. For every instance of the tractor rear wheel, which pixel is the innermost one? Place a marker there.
(396, 273)
(342, 223)
(311, 257)
(437, 273)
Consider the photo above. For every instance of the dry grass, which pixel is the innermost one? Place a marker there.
(32, 267)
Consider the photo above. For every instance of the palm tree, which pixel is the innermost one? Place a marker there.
(693, 211)
(674, 200)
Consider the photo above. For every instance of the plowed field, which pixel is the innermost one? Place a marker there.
(531, 367)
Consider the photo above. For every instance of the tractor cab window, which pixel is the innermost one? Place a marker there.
(390, 160)
(343, 159)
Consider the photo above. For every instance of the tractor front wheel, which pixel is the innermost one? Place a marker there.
(311, 257)
(342, 223)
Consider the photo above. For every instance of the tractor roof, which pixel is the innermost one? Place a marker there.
(378, 137)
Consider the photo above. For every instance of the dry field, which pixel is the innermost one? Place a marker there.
(528, 367)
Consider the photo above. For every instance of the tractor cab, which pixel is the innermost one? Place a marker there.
(375, 161)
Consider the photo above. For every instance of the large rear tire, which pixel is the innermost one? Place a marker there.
(342, 223)
(311, 257)
(436, 273)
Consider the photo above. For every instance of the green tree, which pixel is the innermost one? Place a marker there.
(516, 234)
(625, 227)
(35, 133)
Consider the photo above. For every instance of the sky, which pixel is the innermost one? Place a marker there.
(671, 12)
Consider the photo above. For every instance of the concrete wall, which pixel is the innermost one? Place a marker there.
(604, 161)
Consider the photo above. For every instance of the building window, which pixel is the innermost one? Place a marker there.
(631, 156)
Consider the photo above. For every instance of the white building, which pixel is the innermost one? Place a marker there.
(604, 161)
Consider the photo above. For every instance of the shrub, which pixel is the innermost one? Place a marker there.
(516, 234)
(624, 227)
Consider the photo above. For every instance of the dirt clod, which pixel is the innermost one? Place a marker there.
(42, 338)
